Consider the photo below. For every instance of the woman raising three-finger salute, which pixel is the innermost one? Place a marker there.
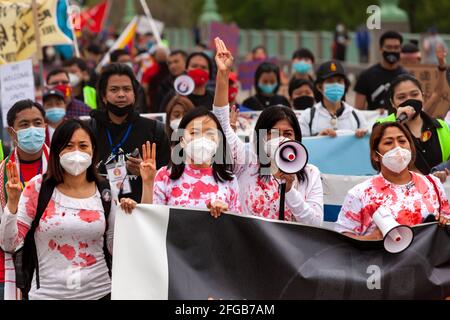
(259, 187)
(199, 174)
(148, 172)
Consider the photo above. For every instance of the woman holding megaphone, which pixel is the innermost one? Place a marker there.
(259, 184)
(431, 137)
(410, 197)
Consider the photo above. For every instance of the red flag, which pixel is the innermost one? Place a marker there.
(93, 18)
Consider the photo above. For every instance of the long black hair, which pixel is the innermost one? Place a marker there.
(266, 121)
(61, 138)
(222, 168)
(267, 67)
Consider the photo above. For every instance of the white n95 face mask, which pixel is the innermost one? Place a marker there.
(396, 159)
(174, 124)
(76, 162)
(201, 151)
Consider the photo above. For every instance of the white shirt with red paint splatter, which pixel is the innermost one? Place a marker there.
(409, 203)
(260, 197)
(195, 189)
(69, 243)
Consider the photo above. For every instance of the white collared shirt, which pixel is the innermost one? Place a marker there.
(323, 120)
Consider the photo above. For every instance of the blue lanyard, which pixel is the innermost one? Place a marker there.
(122, 141)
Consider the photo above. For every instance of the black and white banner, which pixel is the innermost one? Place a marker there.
(167, 253)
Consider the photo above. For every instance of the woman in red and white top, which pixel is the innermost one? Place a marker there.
(259, 188)
(409, 196)
(199, 174)
(70, 235)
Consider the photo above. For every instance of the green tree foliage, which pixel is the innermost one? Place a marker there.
(325, 14)
(298, 14)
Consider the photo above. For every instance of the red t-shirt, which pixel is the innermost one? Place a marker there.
(28, 171)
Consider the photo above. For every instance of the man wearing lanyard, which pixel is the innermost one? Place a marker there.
(121, 131)
(26, 126)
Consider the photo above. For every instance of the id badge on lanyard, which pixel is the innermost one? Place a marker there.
(118, 177)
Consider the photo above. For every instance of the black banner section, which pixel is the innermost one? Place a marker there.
(235, 258)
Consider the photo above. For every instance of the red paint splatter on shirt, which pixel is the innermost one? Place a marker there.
(367, 213)
(67, 251)
(83, 245)
(380, 186)
(200, 188)
(49, 211)
(52, 244)
(186, 185)
(32, 195)
(90, 259)
(89, 215)
(409, 218)
(198, 173)
(176, 192)
(162, 175)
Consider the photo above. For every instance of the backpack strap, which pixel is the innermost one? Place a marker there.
(437, 193)
(105, 193)
(311, 117)
(29, 253)
(358, 123)
(106, 197)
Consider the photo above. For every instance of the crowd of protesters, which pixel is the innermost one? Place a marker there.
(60, 177)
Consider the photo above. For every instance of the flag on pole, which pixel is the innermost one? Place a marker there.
(93, 18)
(17, 31)
(67, 51)
(125, 41)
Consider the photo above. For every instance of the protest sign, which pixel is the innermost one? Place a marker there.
(167, 253)
(16, 83)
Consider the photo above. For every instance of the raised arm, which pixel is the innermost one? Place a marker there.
(224, 61)
(148, 172)
(432, 103)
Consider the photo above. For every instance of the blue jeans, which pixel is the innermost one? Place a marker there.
(2, 291)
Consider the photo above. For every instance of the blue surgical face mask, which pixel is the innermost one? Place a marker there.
(302, 67)
(55, 114)
(334, 91)
(267, 88)
(31, 139)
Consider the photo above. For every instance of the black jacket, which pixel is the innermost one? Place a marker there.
(260, 102)
(205, 101)
(142, 130)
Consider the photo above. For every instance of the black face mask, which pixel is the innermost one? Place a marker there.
(118, 111)
(391, 57)
(303, 103)
(416, 104)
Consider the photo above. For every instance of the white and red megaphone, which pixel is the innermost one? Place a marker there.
(397, 237)
(184, 85)
(288, 156)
